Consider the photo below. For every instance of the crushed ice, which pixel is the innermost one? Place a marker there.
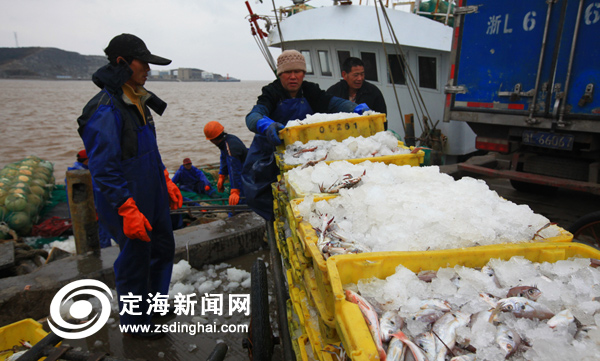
(565, 285)
(404, 208)
(188, 280)
(380, 144)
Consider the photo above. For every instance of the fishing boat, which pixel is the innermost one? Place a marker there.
(406, 53)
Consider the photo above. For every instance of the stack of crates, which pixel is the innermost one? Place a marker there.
(319, 317)
(311, 313)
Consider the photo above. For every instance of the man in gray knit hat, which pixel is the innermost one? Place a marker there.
(287, 98)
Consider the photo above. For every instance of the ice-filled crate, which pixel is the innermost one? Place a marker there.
(340, 129)
(550, 265)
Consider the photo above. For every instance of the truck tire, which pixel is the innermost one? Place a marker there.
(587, 229)
(261, 335)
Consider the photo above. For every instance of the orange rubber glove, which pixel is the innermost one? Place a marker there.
(220, 186)
(207, 188)
(234, 197)
(135, 223)
(175, 197)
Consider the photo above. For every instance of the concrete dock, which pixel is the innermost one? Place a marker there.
(203, 244)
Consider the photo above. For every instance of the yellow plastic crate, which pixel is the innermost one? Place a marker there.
(308, 238)
(280, 200)
(299, 346)
(293, 223)
(299, 253)
(302, 344)
(297, 295)
(412, 159)
(339, 130)
(297, 266)
(289, 214)
(309, 323)
(296, 274)
(311, 328)
(292, 318)
(350, 323)
(326, 319)
(299, 247)
(28, 330)
(280, 239)
(298, 338)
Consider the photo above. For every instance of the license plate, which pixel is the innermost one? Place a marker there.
(548, 140)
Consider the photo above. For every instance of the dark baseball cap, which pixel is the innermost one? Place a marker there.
(128, 45)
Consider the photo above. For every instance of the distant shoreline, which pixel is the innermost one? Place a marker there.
(150, 80)
(46, 63)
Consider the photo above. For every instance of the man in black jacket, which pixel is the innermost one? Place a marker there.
(354, 87)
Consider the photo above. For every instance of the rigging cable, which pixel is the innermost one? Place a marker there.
(259, 37)
(391, 74)
(410, 80)
(411, 83)
(262, 49)
(278, 27)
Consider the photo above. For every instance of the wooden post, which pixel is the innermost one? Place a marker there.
(409, 136)
(83, 212)
(437, 152)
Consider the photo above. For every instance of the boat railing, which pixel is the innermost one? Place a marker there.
(438, 10)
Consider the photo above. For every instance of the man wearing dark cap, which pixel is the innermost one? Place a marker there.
(287, 98)
(117, 129)
(192, 179)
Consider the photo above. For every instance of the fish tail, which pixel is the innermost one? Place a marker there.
(400, 336)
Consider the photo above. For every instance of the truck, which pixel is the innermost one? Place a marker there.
(523, 77)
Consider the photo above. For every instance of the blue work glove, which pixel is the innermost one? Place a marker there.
(272, 133)
(270, 128)
(361, 108)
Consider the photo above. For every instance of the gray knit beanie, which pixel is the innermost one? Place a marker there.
(290, 60)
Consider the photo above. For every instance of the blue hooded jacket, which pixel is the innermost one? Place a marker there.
(233, 156)
(125, 163)
(192, 180)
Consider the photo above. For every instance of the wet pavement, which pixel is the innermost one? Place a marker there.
(30, 295)
(180, 346)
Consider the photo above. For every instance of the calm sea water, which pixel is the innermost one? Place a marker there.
(39, 118)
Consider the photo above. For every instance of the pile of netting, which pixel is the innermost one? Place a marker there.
(25, 188)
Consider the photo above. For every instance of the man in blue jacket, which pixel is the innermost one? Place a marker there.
(289, 97)
(117, 129)
(233, 156)
(192, 179)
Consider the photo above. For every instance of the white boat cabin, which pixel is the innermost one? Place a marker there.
(326, 36)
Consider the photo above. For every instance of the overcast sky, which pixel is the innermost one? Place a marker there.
(213, 35)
